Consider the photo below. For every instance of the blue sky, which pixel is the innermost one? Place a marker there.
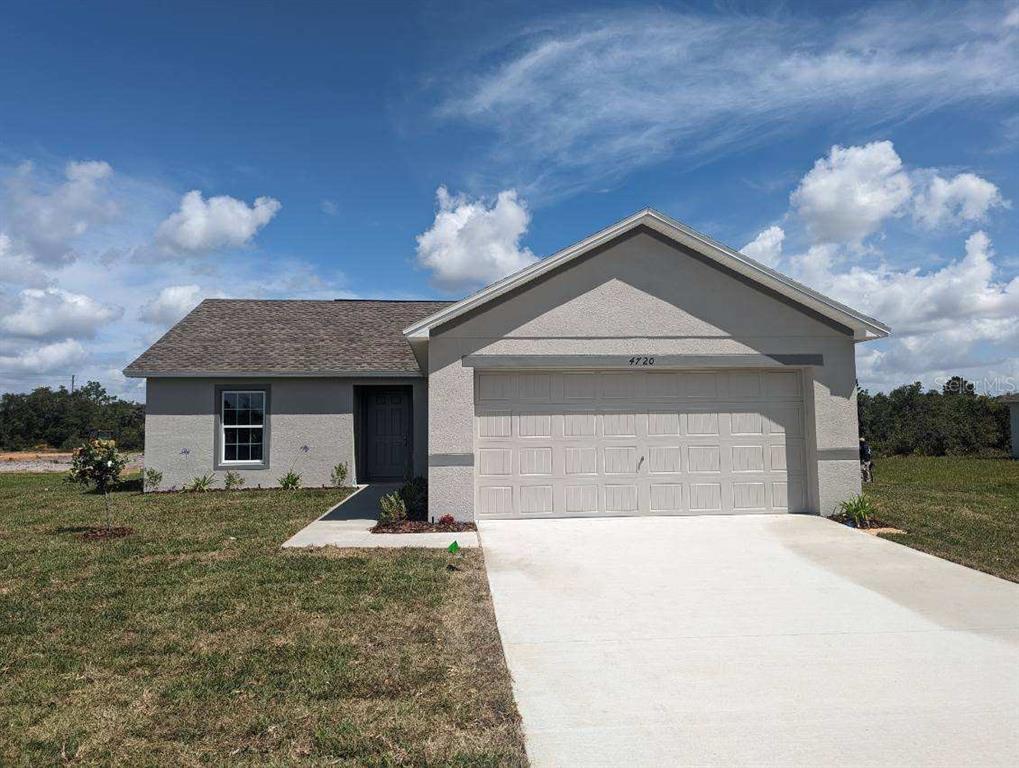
(153, 154)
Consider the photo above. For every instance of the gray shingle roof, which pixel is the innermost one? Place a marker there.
(232, 336)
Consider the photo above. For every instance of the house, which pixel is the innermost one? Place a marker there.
(1012, 401)
(644, 370)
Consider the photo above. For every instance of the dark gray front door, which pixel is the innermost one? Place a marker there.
(387, 433)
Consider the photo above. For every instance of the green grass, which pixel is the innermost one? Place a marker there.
(961, 509)
(197, 641)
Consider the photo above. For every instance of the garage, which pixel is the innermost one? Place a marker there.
(625, 442)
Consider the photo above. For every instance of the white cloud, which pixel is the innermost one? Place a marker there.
(585, 97)
(963, 198)
(202, 225)
(16, 267)
(939, 318)
(43, 219)
(847, 195)
(471, 243)
(54, 312)
(59, 356)
(766, 247)
(330, 208)
(172, 303)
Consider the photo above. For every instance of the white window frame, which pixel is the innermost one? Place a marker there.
(223, 426)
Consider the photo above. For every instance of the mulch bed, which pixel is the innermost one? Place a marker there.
(870, 525)
(423, 526)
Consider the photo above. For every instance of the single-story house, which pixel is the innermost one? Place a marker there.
(646, 370)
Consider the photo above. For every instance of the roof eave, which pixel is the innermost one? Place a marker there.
(221, 374)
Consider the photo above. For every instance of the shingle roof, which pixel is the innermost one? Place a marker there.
(233, 336)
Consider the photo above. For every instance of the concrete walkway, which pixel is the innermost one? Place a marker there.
(348, 524)
(778, 640)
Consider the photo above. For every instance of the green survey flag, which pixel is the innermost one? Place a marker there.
(454, 547)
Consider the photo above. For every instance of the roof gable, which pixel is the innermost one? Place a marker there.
(736, 264)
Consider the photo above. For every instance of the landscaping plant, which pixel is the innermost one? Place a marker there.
(392, 509)
(858, 510)
(415, 495)
(153, 479)
(201, 483)
(98, 463)
(339, 475)
(233, 480)
(291, 481)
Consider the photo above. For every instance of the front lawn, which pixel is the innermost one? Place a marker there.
(197, 641)
(961, 509)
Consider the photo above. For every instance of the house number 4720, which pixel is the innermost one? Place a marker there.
(641, 360)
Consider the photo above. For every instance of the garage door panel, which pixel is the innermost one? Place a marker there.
(667, 498)
(535, 499)
(621, 498)
(750, 496)
(535, 461)
(581, 499)
(580, 460)
(706, 497)
(619, 443)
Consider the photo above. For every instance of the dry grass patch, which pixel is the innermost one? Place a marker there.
(197, 641)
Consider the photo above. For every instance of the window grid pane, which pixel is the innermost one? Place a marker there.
(243, 419)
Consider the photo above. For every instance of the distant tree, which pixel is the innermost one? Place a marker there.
(957, 385)
(61, 419)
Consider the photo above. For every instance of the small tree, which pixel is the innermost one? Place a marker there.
(98, 463)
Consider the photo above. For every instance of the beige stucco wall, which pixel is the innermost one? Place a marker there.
(180, 413)
(641, 296)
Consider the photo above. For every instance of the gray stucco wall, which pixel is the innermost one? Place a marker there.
(641, 296)
(1013, 410)
(180, 413)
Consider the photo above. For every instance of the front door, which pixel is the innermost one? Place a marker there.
(387, 433)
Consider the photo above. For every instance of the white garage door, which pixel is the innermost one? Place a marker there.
(638, 442)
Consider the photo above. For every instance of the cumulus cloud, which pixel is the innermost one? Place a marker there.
(963, 198)
(58, 356)
(766, 247)
(17, 267)
(938, 316)
(202, 225)
(847, 195)
(172, 303)
(54, 312)
(43, 219)
(472, 242)
(581, 98)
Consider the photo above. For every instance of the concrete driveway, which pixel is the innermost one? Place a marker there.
(773, 640)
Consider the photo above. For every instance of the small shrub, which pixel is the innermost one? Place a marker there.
(201, 483)
(291, 481)
(392, 508)
(339, 475)
(153, 479)
(233, 480)
(447, 520)
(98, 463)
(858, 510)
(415, 496)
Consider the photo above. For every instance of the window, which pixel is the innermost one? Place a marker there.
(243, 423)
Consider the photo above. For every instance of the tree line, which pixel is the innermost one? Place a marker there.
(952, 422)
(57, 418)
